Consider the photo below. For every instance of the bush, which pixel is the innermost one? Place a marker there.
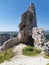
(6, 55)
(30, 51)
(1, 57)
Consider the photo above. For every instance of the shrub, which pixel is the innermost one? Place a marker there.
(30, 51)
(6, 55)
(1, 57)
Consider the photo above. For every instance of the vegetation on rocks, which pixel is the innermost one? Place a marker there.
(31, 51)
(6, 55)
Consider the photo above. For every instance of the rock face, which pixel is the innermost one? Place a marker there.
(28, 21)
(39, 36)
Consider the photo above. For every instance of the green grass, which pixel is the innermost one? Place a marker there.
(6, 55)
(46, 56)
(48, 64)
(30, 51)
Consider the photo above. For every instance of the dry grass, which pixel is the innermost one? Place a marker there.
(6, 55)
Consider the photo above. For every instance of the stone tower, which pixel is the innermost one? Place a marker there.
(28, 18)
(31, 9)
(28, 21)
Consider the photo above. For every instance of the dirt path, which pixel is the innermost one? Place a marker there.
(25, 60)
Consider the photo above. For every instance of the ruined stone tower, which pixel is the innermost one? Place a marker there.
(28, 18)
(28, 21)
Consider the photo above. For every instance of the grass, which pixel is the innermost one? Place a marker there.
(30, 51)
(48, 64)
(46, 56)
(6, 55)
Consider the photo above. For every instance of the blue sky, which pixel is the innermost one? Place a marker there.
(11, 11)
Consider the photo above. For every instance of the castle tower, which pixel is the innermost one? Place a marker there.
(31, 9)
(28, 18)
(28, 21)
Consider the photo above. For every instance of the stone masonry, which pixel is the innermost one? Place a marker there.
(39, 36)
(28, 21)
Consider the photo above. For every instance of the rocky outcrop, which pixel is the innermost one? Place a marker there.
(38, 35)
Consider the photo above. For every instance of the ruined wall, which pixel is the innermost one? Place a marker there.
(10, 43)
(3, 38)
(38, 35)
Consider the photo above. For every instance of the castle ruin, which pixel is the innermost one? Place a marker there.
(28, 31)
(28, 21)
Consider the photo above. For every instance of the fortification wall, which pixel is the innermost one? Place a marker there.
(10, 43)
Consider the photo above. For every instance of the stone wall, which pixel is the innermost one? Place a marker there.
(38, 35)
(19, 36)
(9, 43)
(47, 48)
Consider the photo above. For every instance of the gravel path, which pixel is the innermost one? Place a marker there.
(25, 60)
